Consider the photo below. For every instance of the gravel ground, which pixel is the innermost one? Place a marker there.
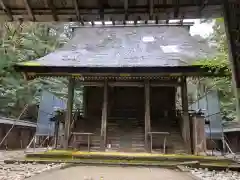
(11, 155)
(21, 171)
(205, 174)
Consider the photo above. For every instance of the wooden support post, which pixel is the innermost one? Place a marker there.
(199, 137)
(29, 10)
(85, 101)
(69, 112)
(50, 4)
(186, 119)
(104, 117)
(88, 136)
(191, 135)
(147, 112)
(75, 2)
(56, 133)
(6, 10)
(232, 24)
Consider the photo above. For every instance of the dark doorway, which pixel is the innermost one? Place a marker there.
(126, 118)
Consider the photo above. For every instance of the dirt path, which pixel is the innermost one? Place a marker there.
(111, 173)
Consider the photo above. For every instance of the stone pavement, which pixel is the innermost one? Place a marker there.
(111, 173)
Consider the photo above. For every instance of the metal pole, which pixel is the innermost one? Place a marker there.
(207, 113)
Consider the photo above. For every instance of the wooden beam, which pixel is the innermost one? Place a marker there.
(82, 21)
(212, 10)
(199, 137)
(126, 10)
(85, 101)
(101, 9)
(147, 112)
(176, 9)
(104, 117)
(51, 6)
(75, 3)
(151, 7)
(86, 83)
(29, 10)
(166, 84)
(69, 112)
(185, 118)
(113, 21)
(232, 26)
(126, 84)
(203, 5)
(6, 10)
(56, 133)
(131, 84)
(184, 95)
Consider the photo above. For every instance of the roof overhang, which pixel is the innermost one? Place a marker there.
(230, 130)
(4, 120)
(74, 10)
(155, 50)
(53, 71)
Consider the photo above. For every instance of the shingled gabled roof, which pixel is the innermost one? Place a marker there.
(128, 46)
(124, 49)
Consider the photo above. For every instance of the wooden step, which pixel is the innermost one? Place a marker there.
(116, 134)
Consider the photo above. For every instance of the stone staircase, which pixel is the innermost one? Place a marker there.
(125, 132)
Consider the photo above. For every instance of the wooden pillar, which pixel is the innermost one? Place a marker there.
(199, 137)
(186, 119)
(56, 133)
(147, 112)
(68, 117)
(104, 117)
(232, 24)
(85, 101)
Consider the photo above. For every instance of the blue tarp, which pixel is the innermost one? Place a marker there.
(48, 105)
(211, 106)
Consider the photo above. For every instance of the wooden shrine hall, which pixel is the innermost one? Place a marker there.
(133, 80)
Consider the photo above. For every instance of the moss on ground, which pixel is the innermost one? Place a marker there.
(134, 159)
(81, 155)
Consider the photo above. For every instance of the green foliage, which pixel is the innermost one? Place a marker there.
(224, 84)
(24, 42)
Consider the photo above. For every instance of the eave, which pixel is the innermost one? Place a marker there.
(79, 72)
(74, 10)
